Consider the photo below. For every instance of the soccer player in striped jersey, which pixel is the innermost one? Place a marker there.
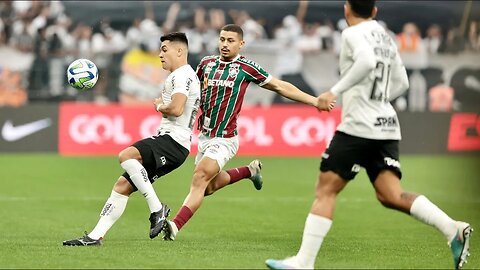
(224, 80)
(372, 74)
(151, 158)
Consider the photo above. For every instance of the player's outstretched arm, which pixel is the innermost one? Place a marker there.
(290, 91)
(174, 108)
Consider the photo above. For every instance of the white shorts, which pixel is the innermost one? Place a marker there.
(219, 149)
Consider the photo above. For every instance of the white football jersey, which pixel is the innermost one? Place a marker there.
(372, 73)
(183, 80)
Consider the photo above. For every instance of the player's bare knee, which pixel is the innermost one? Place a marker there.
(329, 184)
(200, 179)
(123, 155)
(123, 187)
(129, 153)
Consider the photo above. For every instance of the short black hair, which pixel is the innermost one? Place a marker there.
(233, 28)
(175, 37)
(362, 8)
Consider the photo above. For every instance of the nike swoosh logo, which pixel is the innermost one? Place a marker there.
(13, 133)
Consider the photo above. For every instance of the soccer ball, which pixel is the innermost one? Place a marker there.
(82, 74)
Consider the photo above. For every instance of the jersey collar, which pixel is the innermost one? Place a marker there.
(231, 61)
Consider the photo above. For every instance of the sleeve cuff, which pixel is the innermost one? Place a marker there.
(336, 90)
(267, 80)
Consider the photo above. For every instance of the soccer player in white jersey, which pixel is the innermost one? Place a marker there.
(151, 158)
(225, 78)
(372, 74)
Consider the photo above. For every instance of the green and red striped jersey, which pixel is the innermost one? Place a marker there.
(224, 85)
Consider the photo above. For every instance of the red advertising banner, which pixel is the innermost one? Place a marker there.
(464, 134)
(281, 130)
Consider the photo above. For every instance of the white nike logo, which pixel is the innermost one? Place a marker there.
(11, 133)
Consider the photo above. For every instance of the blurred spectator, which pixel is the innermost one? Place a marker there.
(455, 42)
(310, 41)
(56, 66)
(417, 92)
(210, 37)
(40, 21)
(252, 30)
(474, 36)
(409, 40)
(21, 39)
(434, 39)
(12, 91)
(3, 36)
(290, 55)
(22, 25)
(172, 14)
(290, 58)
(134, 34)
(415, 57)
(7, 16)
(337, 36)
(83, 35)
(38, 80)
(142, 77)
(325, 33)
(198, 36)
(440, 98)
(21, 8)
(412, 47)
(57, 9)
(102, 55)
(217, 19)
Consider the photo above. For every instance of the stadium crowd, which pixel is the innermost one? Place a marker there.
(38, 40)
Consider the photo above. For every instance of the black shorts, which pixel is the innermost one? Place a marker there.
(346, 154)
(160, 155)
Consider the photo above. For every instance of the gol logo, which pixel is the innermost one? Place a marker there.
(84, 129)
(298, 131)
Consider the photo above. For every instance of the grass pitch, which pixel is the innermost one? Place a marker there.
(45, 199)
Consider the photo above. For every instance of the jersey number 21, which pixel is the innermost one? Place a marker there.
(380, 83)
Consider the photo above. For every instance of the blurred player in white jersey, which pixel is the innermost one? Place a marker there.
(151, 158)
(372, 74)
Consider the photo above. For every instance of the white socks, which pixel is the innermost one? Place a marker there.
(428, 213)
(139, 177)
(316, 228)
(111, 212)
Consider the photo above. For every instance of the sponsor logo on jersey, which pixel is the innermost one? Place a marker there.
(223, 83)
(386, 122)
(251, 63)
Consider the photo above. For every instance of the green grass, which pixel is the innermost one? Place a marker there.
(45, 199)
